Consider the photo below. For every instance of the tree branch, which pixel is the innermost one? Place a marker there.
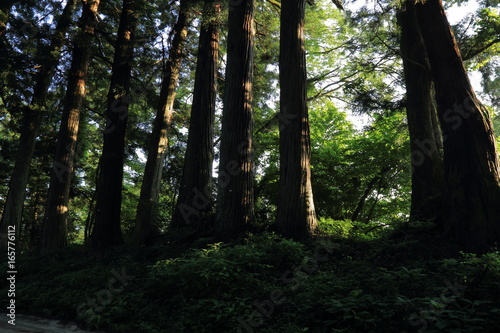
(472, 54)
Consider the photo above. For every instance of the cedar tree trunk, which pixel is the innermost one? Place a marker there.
(296, 215)
(32, 119)
(146, 227)
(235, 201)
(471, 213)
(107, 227)
(55, 232)
(425, 136)
(195, 199)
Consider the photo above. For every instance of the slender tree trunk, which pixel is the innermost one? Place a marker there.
(425, 136)
(56, 214)
(32, 229)
(362, 201)
(32, 119)
(296, 214)
(471, 214)
(235, 204)
(369, 189)
(107, 227)
(195, 200)
(146, 227)
(372, 209)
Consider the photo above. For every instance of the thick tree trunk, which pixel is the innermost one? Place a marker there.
(195, 199)
(146, 227)
(425, 136)
(32, 119)
(235, 204)
(54, 233)
(296, 214)
(107, 227)
(471, 214)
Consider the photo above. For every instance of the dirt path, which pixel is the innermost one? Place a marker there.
(30, 324)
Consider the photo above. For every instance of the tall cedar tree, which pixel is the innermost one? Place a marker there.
(195, 200)
(107, 227)
(54, 233)
(235, 201)
(32, 119)
(146, 227)
(471, 214)
(296, 215)
(423, 123)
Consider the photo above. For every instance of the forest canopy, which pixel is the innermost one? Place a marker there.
(268, 165)
(119, 121)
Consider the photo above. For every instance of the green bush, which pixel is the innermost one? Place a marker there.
(339, 228)
(387, 284)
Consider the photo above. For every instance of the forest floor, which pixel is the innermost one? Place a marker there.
(404, 279)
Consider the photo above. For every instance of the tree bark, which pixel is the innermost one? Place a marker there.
(195, 201)
(296, 215)
(425, 136)
(472, 188)
(235, 203)
(32, 118)
(146, 226)
(55, 231)
(107, 227)
(369, 189)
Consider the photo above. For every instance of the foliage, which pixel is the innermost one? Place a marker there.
(352, 178)
(367, 271)
(352, 229)
(401, 280)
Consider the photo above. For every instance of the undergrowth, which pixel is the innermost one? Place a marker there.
(347, 280)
